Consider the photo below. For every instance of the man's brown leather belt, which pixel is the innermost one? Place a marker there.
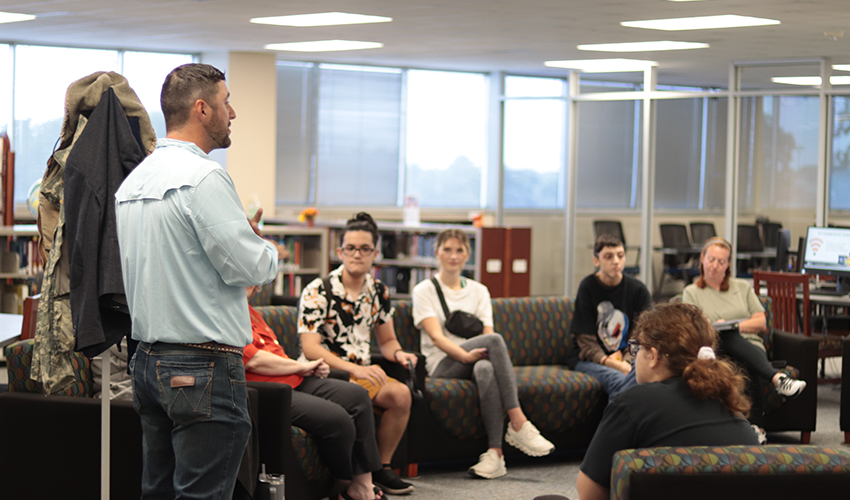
(215, 346)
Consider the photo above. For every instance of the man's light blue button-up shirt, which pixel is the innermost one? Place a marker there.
(187, 249)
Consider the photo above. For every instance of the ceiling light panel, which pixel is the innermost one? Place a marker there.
(324, 46)
(603, 65)
(700, 23)
(642, 46)
(321, 19)
(11, 17)
(810, 81)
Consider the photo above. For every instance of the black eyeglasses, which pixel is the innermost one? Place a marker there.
(350, 250)
(634, 346)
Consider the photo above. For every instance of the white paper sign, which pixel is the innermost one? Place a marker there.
(494, 266)
(520, 266)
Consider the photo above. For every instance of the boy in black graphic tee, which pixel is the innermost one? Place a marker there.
(607, 305)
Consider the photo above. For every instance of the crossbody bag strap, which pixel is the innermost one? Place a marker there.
(328, 296)
(440, 295)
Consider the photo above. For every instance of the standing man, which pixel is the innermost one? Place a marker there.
(340, 331)
(187, 254)
(608, 304)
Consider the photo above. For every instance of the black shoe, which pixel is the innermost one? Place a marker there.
(390, 483)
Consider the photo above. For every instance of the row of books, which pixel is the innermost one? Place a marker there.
(401, 280)
(22, 257)
(288, 284)
(409, 245)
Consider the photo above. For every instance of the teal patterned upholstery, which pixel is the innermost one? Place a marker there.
(283, 320)
(701, 460)
(307, 455)
(19, 362)
(536, 329)
(263, 295)
(405, 331)
(454, 405)
(555, 398)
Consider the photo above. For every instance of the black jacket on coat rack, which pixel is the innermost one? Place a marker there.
(104, 154)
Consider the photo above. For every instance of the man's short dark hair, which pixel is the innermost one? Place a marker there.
(605, 240)
(185, 85)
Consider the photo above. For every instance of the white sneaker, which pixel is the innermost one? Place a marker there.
(790, 387)
(528, 440)
(760, 434)
(490, 465)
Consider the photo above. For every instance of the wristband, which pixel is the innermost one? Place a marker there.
(603, 360)
(395, 354)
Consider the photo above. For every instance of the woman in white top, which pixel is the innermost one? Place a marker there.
(483, 358)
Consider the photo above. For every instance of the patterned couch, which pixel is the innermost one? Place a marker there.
(731, 472)
(565, 405)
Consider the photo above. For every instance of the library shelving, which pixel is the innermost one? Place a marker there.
(499, 257)
(308, 248)
(21, 266)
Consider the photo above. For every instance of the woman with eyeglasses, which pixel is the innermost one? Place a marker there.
(723, 298)
(483, 357)
(337, 318)
(685, 396)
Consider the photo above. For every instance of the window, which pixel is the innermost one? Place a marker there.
(146, 71)
(359, 130)
(839, 177)
(39, 96)
(534, 139)
(295, 119)
(779, 153)
(446, 138)
(690, 164)
(6, 73)
(609, 154)
(40, 102)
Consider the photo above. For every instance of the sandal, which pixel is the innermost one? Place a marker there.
(378, 494)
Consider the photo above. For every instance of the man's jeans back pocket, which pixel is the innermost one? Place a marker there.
(185, 389)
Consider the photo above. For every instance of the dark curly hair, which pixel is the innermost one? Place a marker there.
(678, 331)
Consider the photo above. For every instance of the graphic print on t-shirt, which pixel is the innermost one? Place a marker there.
(612, 326)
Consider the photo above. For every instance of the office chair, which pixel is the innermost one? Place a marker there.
(770, 234)
(702, 232)
(680, 264)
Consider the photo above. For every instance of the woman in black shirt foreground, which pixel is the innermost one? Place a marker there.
(686, 396)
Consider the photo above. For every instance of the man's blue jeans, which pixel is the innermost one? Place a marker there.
(195, 424)
(613, 381)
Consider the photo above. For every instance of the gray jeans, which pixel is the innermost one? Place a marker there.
(494, 377)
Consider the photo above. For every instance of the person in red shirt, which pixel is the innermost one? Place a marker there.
(337, 413)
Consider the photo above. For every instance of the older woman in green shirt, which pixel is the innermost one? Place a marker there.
(722, 298)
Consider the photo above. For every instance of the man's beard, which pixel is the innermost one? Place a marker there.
(219, 134)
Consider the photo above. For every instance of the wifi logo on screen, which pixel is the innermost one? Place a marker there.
(815, 244)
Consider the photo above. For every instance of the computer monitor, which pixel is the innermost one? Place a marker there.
(828, 253)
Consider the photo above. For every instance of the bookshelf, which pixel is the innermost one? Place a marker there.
(407, 254)
(499, 257)
(20, 266)
(308, 248)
